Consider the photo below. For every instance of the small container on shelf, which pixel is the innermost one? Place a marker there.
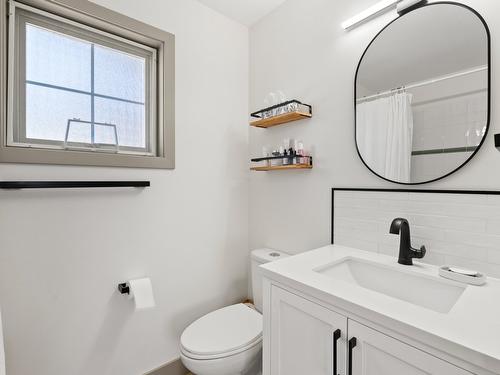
(288, 111)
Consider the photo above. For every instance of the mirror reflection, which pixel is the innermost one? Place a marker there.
(422, 94)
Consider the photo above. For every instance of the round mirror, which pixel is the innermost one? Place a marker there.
(422, 94)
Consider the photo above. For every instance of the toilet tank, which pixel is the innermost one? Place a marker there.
(261, 256)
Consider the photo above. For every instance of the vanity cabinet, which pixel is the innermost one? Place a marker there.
(309, 338)
(377, 354)
(304, 336)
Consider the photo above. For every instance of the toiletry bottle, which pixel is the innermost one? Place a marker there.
(286, 160)
(300, 153)
(295, 146)
(286, 145)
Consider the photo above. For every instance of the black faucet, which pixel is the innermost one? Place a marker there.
(406, 252)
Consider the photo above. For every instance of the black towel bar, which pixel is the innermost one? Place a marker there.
(70, 184)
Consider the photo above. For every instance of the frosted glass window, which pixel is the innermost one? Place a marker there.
(48, 111)
(56, 59)
(119, 74)
(97, 83)
(129, 119)
(105, 134)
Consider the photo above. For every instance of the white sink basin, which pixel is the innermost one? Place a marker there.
(426, 291)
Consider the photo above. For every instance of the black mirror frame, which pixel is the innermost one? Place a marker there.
(488, 120)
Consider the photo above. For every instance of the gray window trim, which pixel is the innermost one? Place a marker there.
(95, 16)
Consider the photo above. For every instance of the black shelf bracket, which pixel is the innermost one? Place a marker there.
(12, 185)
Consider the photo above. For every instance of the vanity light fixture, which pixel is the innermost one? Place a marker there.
(402, 7)
(374, 10)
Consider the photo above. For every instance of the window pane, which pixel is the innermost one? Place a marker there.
(129, 118)
(104, 134)
(48, 111)
(80, 132)
(119, 75)
(56, 59)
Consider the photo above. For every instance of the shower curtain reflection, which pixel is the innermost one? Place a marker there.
(384, 134)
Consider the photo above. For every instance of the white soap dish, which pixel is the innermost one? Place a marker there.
(462, 275)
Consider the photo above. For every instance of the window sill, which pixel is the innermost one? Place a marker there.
(9, 154)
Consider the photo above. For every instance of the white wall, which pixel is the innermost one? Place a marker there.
(301, 49)
(62, 253)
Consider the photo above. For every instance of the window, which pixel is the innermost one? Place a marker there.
(79, 93)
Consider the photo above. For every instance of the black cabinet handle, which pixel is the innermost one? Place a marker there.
(352, 343)
(336, 337)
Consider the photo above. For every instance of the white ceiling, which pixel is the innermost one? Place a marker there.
(246, 12)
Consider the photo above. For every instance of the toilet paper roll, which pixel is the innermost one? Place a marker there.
(141, 291)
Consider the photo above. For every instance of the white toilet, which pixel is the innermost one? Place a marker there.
(228, 341)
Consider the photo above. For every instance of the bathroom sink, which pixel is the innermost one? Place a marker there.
(423, 290)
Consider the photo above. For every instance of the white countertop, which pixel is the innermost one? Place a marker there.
(469, 331)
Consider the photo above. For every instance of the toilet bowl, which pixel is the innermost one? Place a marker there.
(224, 342)
(228, 341)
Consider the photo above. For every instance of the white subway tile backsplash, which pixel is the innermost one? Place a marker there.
(493, 227)
(449, 222)
(476, 253)
(426, 232)
(494, 256)
(360, 213)
(474, 239)
(353, 202)
(347, 225)
(434, 258)
(373, 195)
(449, 198)
(453, 210)
(458, 229)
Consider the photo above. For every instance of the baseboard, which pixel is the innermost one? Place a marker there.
(174, 367)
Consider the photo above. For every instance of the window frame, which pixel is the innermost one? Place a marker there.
(105, 25)
(24, 15)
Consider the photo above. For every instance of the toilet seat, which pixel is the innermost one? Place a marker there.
(223, 333)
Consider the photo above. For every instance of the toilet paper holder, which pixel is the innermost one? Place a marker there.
(124, 288)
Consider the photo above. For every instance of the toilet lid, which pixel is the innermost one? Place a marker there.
(221, 331)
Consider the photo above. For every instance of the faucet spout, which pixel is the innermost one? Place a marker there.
(406, 251)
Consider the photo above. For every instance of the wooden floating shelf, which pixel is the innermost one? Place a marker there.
(280, 119)
(281, 167)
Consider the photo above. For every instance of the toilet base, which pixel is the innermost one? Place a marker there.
(248, 362)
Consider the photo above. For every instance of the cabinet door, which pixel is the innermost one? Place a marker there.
(377, 354)
(303, 335)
